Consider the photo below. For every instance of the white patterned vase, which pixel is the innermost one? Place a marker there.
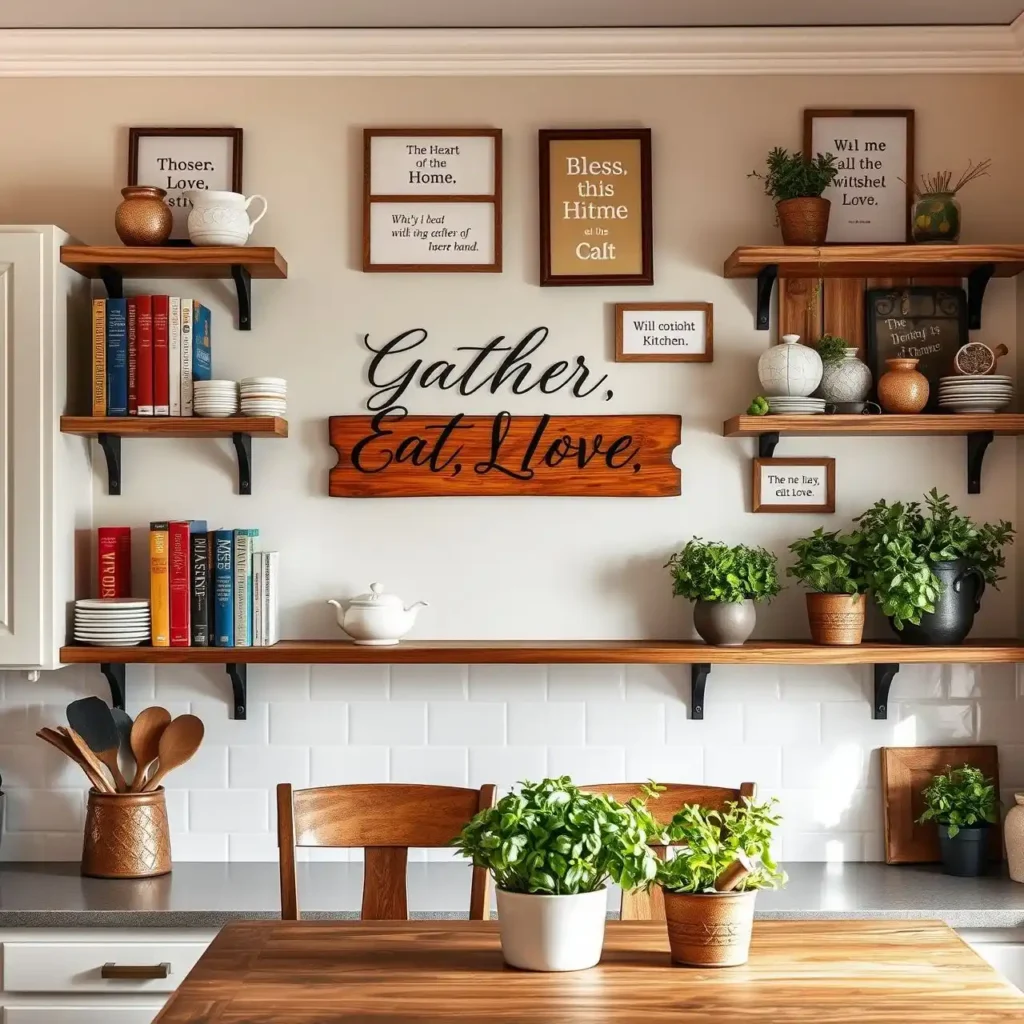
(789, 369)
(845, 382)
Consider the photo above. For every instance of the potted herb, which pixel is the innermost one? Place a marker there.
(928, 568)
(552, 850)
(845, 380)
(796, 186)
(826, 564)
(718, 862)
(962, 802)
(936, 215)
(724, 582)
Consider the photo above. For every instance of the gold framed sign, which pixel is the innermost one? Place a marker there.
(595, 207)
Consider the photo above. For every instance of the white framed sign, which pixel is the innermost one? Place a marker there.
(664, 332)
(794, 485)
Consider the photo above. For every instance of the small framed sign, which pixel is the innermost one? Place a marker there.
(794, 485)
(181, 159)
(595, 207)
(873, 193)
(663, 332)
(432, 200)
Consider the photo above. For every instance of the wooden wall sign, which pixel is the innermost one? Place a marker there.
(664, 332)
(392, 455)
(794, 485)
(595, 207)
(432, 200)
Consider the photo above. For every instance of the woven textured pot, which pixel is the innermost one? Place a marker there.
(804, 221)
(837, 620)
(143, 218)
(903, 388)
(710, 929)
(126, 835)
(1013, 836)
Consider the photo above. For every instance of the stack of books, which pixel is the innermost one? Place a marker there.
(146, 352)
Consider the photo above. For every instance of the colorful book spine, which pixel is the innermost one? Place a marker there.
(186, 357)
(99, 357)
(224, 588)
(180, 587)
(117, 357)
(159, 585)
(132, 322)
(244, 542)
(202, 352)
(161, 360)
(200, 613)
(114, 561)
(271, 632)
(257, 599)
(144, 359)
(174, 354)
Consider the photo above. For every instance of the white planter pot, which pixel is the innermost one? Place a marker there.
(552, 933)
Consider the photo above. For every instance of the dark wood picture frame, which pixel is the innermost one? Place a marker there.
(235, 134)
(830, 486)
(643, 136)
(811, 114)
(495, 198)
(707, 356)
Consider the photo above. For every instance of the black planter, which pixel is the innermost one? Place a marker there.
(966, 854)
(962, 587)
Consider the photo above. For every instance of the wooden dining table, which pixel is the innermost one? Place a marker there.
(299, 972)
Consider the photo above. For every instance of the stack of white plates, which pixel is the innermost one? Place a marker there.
(215, 397)
(782, 405)
(112, 621)
(264, 396)
(984, 393)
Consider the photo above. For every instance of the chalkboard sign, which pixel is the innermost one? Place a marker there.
(924, 323)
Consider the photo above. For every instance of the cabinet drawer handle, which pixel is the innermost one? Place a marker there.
(135, 972)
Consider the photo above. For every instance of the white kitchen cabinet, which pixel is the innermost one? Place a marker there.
(1002, 948)
(81, 1013)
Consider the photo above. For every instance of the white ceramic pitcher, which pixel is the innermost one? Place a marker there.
(221, 218)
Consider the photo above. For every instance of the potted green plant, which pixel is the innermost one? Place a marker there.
(826, 564)
(552, 849)
(928, 568)
(796, 186)
(963, 804)
(724, 582)
(718, 862)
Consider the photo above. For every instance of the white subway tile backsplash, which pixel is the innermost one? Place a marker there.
(264, 767)
(665, 683)
(383, 723)
(208, 769)
(26, 765)
(199, 846)
(919, 682)
(722, 722)
(279, 682)
(177, 809)
(821, 683)
(252, 846)
(933, 724)
(60, 687)
(730, 766)
(431, 766)
(194, 682)
(546, 724)
(665, 764)
(229, 810)
(452, 722)
(429, 682)
(991, 682)
(346, 766)
(843, 768)
(223, 730)
(508, 682)
(1001, 721)
(586, 682)
(588, 765)
(1011, 765)
(320, 723)
(45, 810)
(822, 846)
(746, 682)
(782, 722)
(635, 724)
(845, 722)
(349, 682)
(505, 766)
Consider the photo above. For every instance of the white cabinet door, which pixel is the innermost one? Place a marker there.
(1006, 957)
(86, 1013)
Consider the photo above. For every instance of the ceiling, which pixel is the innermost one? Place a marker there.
(499, 13)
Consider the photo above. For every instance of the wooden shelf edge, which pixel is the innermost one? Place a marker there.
(174, 426)
(924, 424)
(262, 261)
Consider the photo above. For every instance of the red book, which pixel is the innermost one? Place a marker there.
(161, 365)
(133, 358)
(179, 557)
(144, 331)
(114, 561)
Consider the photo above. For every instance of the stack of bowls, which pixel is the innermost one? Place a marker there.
(215, 397)
(112, 621)
(784, 405)
(989, 392)
(264, 396)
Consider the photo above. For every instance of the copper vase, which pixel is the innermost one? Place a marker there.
(710, 929)
(902, 388)
(837, 620)
(126, 835)
(804, 221)
(142, 217)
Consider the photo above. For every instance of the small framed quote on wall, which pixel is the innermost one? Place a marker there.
(794, 485)
(663, 332)
(595, 207)
(432, 200)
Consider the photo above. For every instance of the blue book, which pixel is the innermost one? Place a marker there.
(117, 357)
(244, 542)
(202, 357)
(224, 588)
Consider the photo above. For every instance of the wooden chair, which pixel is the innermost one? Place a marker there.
(650, 905)
(385, 820)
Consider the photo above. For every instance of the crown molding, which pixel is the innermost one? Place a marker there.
(455, 52)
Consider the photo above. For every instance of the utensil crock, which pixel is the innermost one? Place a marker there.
(710, 929)
(126, 835)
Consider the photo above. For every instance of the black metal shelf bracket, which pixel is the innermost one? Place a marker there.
(766, 444)
(977, 443)
(115, 674)
(111, 445)
(113, 281)
(243, 285)
(977, 282)
(765, 283)
(699, 672)
(237, 672)
(243, 448)
(884, 675)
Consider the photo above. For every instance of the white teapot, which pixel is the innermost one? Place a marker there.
(377, 619)
(221, 218)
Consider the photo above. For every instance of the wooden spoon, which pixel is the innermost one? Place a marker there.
(179, 741)
(89, 758)
(145, 741)
(66, 747)
(90, 717)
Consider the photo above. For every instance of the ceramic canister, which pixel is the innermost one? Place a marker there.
(847, 381)
(789, 369)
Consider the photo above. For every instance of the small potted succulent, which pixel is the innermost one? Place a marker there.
(724, 582)
(717, 862)
(963, 804)
(552, 849)
(826, 564)
(796, 186)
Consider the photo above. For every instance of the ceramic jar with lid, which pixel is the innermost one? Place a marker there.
(846, 382)
(902, 388)
(376, 619)
(142, 217)
(789, 369)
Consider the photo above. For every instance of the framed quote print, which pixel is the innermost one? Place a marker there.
(595, 207)
(432, 200)
(873, 193)
(663, 332)
(794, 485)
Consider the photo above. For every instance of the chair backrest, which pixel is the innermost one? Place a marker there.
(650, 905)
(385, 820)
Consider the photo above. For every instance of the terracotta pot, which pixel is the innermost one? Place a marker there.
(143, 218)
(902, 388)
(710, 929)
(837, 620)
(1013, 835)
(126, 835)
(804, 221)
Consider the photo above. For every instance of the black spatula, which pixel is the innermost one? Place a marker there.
(91, 719)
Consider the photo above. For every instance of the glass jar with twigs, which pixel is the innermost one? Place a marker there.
(936, 214)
